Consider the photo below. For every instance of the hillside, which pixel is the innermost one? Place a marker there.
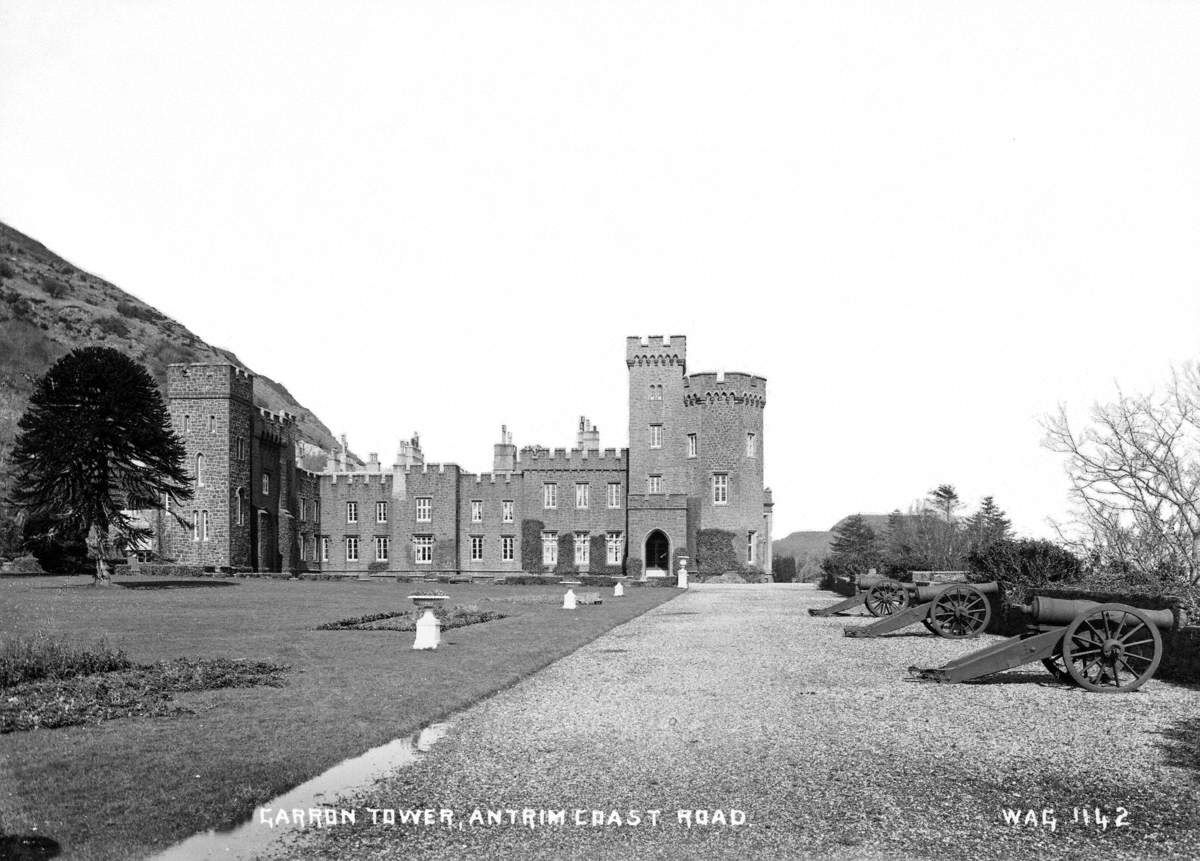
(812, 544)
(48, 307)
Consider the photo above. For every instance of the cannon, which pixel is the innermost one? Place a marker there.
(1106, 648)
(951, 610)
(882, 596)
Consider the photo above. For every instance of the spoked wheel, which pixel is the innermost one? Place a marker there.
(886, 597)
(959, 612)
(1057, 667)
(1112, 649)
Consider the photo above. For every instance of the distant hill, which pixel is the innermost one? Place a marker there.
(806, 545)
(49, 307)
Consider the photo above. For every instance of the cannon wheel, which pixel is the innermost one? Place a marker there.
(959, 612)
(1111, 649)
(886, 597)
(1057, 667)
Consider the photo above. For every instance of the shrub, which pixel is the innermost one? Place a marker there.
(715, 553)
(113, 326)
(566, 554)
(19, 306)
(54, 288)
(783, 569)
(137, 312)
(28, 659)
(1023, 566)
(531, 546)
(7, 270)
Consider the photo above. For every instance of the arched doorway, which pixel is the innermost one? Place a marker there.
(658, 554)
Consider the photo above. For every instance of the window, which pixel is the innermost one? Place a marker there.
(583, 494)
(239, 512)
(508, 547)
(424, 509)
(422, 549)
(352, 512)
(751, 445)
(476, 548)
(382, 545)
(381, 512)
(612, 541)
(187, 424)
(477, 511)
(691, 445)
(195, 525)
(212, 424)
(205, 522)
(199, 470)
(751, 541)
(240, 448)
(720, 488)
(655, 436)
(549, 495)
(351, 549)
(508, 510)
(549, 548)
(324, 549)
(303, 509)
(266, 484)
(614, 494)
(654, 484)
(317, 510)
(581, 548)
(303, 549)
(656, 393)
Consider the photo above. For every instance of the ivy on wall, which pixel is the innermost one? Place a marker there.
(566, 554)
(715, 553)
(531, 546)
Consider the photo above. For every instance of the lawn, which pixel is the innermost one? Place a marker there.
(127, 787)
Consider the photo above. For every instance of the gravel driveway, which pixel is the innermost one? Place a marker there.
(732, 698)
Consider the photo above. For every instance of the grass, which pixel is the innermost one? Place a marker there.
(126, 788)
(40, 656)
(81, 698)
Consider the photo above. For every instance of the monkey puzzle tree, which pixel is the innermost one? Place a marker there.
(94, 445)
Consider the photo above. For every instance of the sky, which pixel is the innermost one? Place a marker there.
(926, 223)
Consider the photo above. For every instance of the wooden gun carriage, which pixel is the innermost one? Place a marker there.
(951, 610)
(1107, 648)
(880, 595)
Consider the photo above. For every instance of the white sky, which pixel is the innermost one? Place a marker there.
(926, 223)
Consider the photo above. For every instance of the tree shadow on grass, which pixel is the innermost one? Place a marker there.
(28, 847)
(1181, 745)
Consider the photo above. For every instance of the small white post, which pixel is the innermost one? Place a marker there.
(569, 600)
(619, 591)
(683, 577)
(429, 631)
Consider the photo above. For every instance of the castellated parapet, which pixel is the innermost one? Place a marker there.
(657, 350)
(729, 387)
(210, 380)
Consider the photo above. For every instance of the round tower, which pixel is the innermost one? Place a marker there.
(726, 412)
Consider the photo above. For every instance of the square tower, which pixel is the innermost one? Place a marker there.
(211, 408)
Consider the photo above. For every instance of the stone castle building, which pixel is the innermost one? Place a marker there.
(690, 483)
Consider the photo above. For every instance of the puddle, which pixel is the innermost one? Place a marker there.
(250, 838)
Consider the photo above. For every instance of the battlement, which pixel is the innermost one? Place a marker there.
(209, 380)
(280, 418)
(425, 468)
(536, 458)
(489, 477)
(668, 350)
(356, 477)
(722, 387)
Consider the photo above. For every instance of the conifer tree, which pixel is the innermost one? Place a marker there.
(95, 444)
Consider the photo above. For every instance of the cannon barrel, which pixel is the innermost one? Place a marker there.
(1062, 611)
(866, 581)
(928, 593)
